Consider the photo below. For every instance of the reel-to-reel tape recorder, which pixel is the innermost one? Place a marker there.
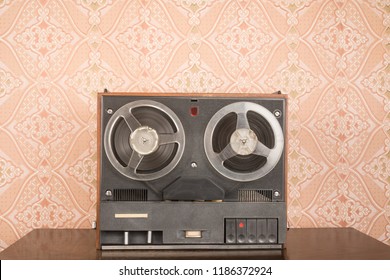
(205, 171)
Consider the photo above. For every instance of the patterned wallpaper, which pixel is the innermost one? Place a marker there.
(330, 56)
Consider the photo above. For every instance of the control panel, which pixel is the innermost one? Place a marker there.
(241, 230)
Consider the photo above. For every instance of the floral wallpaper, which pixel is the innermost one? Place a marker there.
(330, 56)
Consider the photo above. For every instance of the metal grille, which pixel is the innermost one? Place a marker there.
(255, 195)
(130, 195)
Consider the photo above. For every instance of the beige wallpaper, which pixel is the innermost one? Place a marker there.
(330, 56)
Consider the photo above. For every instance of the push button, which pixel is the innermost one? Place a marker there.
(230, 230)
(272, 229)
(262, 230)
(241, 231)
(251, 230)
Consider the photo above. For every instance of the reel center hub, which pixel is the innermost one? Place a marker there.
(144, 140)
(243, 141)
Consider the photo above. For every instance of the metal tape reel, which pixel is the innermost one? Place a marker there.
(144, 140)
(243, 141)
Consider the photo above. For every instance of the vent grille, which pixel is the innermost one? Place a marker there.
(130, 195)
(255, 195)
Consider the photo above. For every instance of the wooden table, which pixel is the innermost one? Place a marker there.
(321, 243)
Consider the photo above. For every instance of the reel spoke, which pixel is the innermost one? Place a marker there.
(262, 150)
(131, 121)
(242, 121)
(226, 153)
(134, 161)
(168, 138)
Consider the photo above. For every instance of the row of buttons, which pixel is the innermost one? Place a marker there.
(251, 230)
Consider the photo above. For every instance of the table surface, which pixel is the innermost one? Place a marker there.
(306, 244)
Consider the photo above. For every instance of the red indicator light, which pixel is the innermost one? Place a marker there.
(241, 225)
(194, 111)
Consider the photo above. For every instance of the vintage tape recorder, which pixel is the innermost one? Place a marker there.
(203, 171)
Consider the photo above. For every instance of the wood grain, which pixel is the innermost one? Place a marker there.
(301, 244)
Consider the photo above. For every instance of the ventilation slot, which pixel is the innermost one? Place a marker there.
(255, 195)
(130, 195)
